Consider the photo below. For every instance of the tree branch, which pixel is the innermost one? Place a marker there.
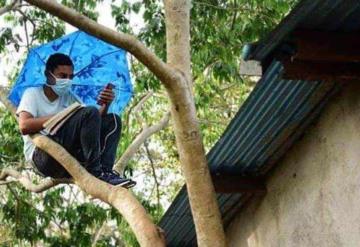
(122, 199)
(132, 107)
(154, 175)
(201, 192)
(28, 184)
(8, 8)
(25, 18)
(139, 106)
(97, 234)
(6, 182)
(164, 72)
(139, 140)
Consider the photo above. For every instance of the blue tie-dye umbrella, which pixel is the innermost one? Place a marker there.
(96, 63)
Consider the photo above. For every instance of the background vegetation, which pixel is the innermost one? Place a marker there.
(64, 216)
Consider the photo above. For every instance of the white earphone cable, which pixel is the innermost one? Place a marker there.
(109, 134)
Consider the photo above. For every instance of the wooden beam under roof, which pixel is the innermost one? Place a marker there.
(230, 184)
(319, 71)
(326, 46)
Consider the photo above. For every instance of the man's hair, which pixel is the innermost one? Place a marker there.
(57, 59)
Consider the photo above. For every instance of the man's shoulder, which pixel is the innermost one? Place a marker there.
(33, 90)
(29, 101)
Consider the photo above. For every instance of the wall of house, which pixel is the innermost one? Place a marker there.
(313, 194)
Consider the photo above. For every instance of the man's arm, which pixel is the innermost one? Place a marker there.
(30, 125)
(106, 96)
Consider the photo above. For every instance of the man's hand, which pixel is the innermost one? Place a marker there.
(106, 96)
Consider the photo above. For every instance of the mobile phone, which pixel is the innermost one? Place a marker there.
(108, 86)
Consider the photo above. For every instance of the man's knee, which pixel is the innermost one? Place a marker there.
(112, 119)
(90, 111)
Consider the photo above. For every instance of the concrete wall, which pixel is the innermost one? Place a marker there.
(313, 194)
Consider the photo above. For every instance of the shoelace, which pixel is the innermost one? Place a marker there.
(112, 174)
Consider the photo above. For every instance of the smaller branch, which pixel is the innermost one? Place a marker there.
(8, 8)
(138, 108)
(23, 5)
(210, 122)
(132, 108)
(151, 192)
(139, 105)
(28, 184)
(154, 175)
(98, 234)
(26, 34)
(227, 87)
(6, 182)
(140, 139)
(25, 17)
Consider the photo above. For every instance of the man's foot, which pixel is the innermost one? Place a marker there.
(114, 179)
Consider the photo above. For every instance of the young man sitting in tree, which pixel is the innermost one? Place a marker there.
(90, 135)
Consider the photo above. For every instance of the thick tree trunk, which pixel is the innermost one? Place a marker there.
(177, 80)
(201, 192)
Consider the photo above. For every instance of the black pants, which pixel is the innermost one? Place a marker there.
(83, 136)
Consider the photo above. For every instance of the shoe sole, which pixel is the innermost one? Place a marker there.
(131, 184)
(127, 184)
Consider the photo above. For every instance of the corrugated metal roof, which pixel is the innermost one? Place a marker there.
(273, 117)
(325, 15)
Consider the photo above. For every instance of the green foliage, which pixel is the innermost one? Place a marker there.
(22, 217)
(5, 38)
(10, 140)
(85, 7)
(2, 3)
(219, 29)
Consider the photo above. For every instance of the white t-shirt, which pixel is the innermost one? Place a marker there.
(35, 102)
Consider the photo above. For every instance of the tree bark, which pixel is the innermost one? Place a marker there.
(28, 184)
(176, 77)
(199, 185)
(146, 232)
(122, 199)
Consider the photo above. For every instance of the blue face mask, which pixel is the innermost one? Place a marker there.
(62, 86)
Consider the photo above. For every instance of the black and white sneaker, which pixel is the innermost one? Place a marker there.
(115, 179)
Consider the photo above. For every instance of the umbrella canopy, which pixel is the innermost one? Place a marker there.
(96, 63)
